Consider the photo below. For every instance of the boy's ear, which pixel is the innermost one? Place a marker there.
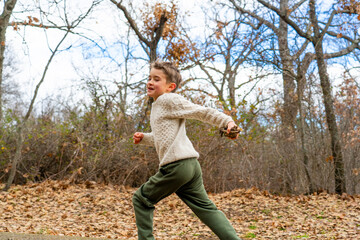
(172, 86)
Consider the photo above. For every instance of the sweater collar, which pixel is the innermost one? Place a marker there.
(160, 97)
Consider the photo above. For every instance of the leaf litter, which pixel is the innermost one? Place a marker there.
(104, 211)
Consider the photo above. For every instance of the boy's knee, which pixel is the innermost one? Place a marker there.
(139, 199)
(134, 198)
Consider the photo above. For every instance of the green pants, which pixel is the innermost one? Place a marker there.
(183, 177)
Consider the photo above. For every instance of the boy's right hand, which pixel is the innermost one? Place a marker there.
(138, 136)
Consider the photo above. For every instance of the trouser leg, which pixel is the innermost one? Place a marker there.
(165, 182)
(194, 195)
(144, 218)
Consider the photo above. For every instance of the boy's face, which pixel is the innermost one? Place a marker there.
(157, 84)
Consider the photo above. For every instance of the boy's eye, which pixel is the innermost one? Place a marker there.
(156, 79)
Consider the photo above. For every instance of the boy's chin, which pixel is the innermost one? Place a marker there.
(151, 96)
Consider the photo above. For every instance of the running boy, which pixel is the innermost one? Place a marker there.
(179, 170)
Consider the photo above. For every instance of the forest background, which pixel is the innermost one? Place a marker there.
(73, 76)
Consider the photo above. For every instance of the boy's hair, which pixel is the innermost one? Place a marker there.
(171, 71)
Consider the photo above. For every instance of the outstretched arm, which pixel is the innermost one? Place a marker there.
(143, 138)
(179, 107)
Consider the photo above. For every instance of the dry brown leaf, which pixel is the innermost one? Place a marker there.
(93, 210)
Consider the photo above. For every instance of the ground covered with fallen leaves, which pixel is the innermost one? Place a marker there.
(92, 210)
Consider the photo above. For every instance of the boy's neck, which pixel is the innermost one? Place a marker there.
(160, 96)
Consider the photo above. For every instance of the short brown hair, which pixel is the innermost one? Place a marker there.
(171, 71)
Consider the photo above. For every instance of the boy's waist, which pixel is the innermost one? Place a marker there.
(179, 161)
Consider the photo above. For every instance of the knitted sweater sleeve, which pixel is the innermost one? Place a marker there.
(179, 107)
(148, 139)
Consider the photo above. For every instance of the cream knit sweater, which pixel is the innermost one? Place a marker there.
(167, 120)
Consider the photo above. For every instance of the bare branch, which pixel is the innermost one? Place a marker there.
(131, 21)
(212, 81)
(261, 20)
(302, 49)
(297, 5)
(328, 23)
(349, 49)
(334, 34)
(8, 7)
(286, 18)
(305, 63)
(160, 29)
(40, 25)
(201, 90)
(250, 90)
(244, 83)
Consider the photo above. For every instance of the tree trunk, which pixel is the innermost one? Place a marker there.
(301, 80)
(232, 96)
(288, 115)
(290, 107)
(336, 149)
(17, 157)
(4, 23)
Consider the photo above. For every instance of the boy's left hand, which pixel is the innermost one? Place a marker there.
(229, 127)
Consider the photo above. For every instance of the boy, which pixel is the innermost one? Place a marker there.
(179, 170)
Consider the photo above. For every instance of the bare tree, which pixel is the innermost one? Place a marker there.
(225, 50)
(286, 53)
(292, 61)
(71, 25)
(159, 23)
(151, 38)
(9, 6)
(148, 39)
(316, 37)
